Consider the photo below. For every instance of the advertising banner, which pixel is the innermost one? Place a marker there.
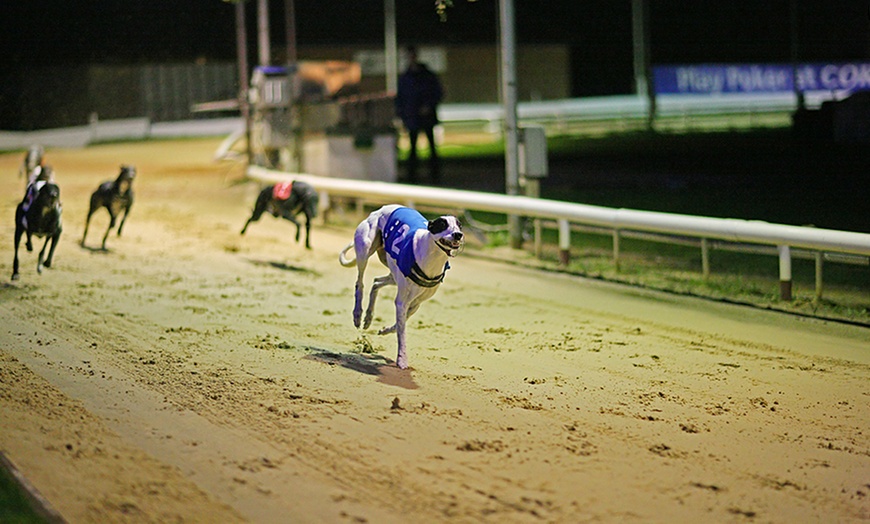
(716, 79)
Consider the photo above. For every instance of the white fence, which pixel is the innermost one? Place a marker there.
(629, 107)
(121, 129)
(784, 237)
(566, 110)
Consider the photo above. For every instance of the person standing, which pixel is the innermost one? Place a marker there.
(417, 99)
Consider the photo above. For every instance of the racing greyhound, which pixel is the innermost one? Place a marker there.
(116, 196)
(415, 250)
(287, 200)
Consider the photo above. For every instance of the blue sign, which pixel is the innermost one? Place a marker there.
(715, 79)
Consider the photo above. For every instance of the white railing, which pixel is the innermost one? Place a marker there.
(629, 106)
(782, 236)
(617, 107)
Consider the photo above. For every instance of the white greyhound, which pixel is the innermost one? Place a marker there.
(415, 250)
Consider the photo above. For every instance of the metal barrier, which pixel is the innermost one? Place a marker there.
(783, 237)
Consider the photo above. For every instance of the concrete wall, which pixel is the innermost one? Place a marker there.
(54, 97)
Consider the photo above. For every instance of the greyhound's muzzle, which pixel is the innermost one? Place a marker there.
(453, 244)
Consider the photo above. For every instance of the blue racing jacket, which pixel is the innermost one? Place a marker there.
(402, 225)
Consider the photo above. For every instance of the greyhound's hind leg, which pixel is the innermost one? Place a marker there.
(373, 295)
(307, 231)
(364, 244)
(15, 260)
(358, 291)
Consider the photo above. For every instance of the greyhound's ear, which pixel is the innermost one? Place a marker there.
(439, 225)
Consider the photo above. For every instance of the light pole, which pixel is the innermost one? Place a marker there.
(511, 131)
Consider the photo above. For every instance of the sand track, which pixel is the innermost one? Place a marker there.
(190, 374)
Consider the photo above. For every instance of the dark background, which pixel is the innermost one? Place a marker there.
(766, 176)
(598, 32)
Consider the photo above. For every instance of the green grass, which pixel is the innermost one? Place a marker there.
(14, 506)
(747, 278)
(752, 174)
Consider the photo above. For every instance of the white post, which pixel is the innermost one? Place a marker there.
(533, 190)
(784, 272)
(564, 242)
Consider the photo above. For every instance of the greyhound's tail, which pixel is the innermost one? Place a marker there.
(343, 260)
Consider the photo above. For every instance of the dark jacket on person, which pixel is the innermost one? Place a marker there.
(419, 93)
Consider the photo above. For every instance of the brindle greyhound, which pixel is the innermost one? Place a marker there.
(116, 196)
(41, 219)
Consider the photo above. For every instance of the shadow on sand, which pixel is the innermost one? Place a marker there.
(283, 266)
(95, 250)
(367, 363)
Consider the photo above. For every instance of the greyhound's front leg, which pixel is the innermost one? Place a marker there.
(123, 219)
(112, 219)
(54, 240)
(401, 319)
(39, 262)
(291, 218)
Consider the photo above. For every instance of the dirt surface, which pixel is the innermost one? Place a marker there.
(190, 374)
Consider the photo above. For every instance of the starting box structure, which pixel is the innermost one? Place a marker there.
(272, 97)
(310, 118)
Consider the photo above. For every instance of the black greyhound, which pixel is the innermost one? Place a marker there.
(115, 196)
(41, 219)
(286, 200)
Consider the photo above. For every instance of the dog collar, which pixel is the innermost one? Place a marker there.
(418, 277)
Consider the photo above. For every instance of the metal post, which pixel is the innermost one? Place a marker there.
(391, 50)
(784, 273)
(616, 248)
(820, 257)
(533, 190)
(244, 86)
(290, 30)
(511, 131)
(265, 50)
(642, 73)
(794, 34)
(705, 258)
(296, 124)
(325, 206)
